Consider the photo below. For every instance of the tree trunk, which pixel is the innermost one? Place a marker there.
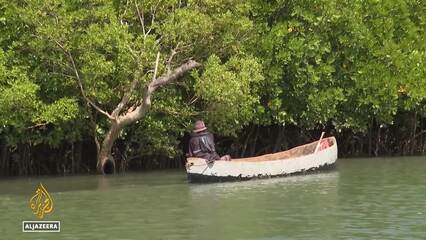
(72, 159)
(422, 149)
(377, 148)
(106, 163)
(253, 148)
(246, 142)
(370, 137)
(277, 146)
(413, 135)
(4, 158)
(78, 147)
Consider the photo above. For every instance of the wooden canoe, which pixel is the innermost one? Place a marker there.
(298, 160)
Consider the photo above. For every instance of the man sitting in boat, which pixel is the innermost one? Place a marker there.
(201, 144)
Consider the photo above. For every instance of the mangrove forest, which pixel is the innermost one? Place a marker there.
(110, 86)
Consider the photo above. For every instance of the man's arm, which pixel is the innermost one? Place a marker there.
(210, 143)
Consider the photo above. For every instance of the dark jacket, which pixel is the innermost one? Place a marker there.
(201, 145)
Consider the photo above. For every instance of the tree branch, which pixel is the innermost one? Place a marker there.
(154, 76)
(124, 12)
(125, 99)
(77, 75)
(172, 54)
(141, 18)
(92, 119)
(173, 75)
(140, 111)
(153, 12)
(38, 125)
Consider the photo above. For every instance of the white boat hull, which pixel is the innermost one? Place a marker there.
(244, 169)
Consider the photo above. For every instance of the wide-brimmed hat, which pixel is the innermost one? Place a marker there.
(199, 126)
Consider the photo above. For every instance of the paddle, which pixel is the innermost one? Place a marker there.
(319, 142)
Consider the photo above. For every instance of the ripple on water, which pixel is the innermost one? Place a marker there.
(362, 199)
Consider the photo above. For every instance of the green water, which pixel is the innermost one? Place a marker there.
(361, 199)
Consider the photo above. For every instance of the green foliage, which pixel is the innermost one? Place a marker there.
(22, 108)
(113, 43)
(345, 62)
(304, 63)
(229, 92)
(19, 102)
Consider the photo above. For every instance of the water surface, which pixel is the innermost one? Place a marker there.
(382, 198)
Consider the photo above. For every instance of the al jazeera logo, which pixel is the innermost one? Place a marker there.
(41, 204)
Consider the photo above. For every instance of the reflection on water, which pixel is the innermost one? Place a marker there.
(265, 184)
(272, 186)
(273, 208)
(103, 183)
(362, 199)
